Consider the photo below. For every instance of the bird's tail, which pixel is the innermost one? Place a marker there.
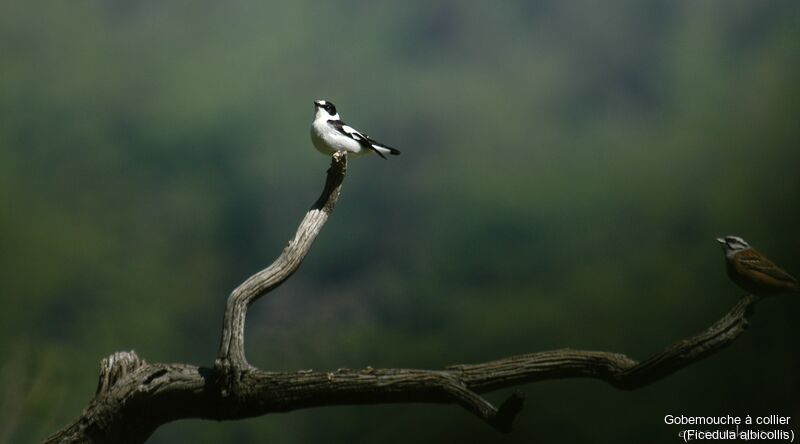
(386, 150)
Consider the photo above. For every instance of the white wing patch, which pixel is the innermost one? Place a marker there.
(352, 132)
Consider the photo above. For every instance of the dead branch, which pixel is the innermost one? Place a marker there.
(134, 397)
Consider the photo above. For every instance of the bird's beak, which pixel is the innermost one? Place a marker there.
(721, 240)
(316, 103)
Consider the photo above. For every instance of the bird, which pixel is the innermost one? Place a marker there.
(752, 271)
(330, 134)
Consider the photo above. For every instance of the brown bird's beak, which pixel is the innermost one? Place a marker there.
(721, 240)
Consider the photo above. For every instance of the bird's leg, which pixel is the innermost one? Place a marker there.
(338, 155)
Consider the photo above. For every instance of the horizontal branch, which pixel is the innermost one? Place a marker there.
(129, 408)
(617, 369)
(134, 398)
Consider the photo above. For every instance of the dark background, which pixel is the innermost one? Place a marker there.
(566, 167)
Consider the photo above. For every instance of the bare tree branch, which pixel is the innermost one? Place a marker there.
(231, 350)
(134, 398)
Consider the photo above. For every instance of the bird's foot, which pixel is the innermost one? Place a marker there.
(339, 155)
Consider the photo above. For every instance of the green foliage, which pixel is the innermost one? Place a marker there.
(565, 169)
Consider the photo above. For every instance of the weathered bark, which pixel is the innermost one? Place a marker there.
(134, 398)
(231, 350)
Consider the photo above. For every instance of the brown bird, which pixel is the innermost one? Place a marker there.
(752, 271)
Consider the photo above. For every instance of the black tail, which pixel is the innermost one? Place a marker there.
(378, 148)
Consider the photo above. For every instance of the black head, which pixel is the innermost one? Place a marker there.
(325, 105)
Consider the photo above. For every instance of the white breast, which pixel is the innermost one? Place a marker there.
(328, 140)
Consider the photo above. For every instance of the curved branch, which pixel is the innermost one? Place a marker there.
(231, 349)
(134, 398)
(615, 368)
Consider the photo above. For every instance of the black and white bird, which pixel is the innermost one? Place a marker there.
(330, 135)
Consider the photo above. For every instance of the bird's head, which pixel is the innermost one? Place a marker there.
(733, 244)
(325, 109)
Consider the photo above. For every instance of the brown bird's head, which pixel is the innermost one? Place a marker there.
(733, 244)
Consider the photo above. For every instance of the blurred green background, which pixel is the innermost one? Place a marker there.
(566, 167)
